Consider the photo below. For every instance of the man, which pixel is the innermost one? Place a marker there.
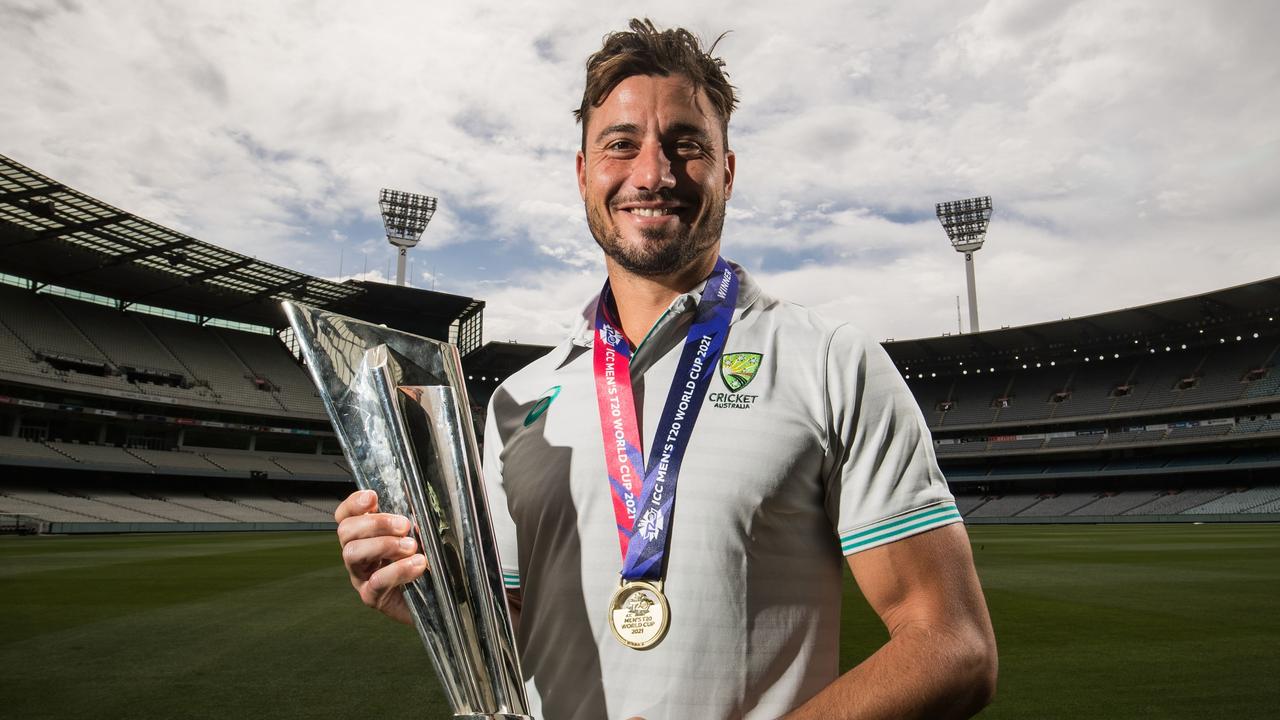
(793, 440)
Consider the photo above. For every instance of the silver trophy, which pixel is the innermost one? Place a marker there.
(399, 405)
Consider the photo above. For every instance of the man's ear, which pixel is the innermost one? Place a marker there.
(582, 175)
(730, 169)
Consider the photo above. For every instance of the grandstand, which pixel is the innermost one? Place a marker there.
(148, 382)
(147, 379)
(1166, 412)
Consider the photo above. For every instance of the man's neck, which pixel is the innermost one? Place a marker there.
(641, 301)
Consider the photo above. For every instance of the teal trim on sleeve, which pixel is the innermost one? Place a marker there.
(510, 580)
(897, 528)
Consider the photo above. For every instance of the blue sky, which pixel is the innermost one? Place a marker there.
(1130, 147)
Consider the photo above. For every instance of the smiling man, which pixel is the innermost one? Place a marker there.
(677, 487)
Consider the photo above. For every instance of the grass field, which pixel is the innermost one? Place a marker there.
(1175, 621)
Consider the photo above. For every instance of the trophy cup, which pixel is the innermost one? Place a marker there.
(399, 406)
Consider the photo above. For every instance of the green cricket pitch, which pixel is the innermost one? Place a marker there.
(1130, 621)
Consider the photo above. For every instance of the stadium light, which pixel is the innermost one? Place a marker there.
(966, 224)
(405, 215)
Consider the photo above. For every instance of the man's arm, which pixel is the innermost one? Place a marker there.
(940, 660)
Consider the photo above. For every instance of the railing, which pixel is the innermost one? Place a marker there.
(16, 524)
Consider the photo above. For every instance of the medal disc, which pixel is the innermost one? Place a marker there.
(639, 615)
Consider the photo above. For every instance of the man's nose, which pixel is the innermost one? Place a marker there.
(652, 170)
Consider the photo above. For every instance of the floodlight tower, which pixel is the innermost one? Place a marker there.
(405, 215)
(966, 224)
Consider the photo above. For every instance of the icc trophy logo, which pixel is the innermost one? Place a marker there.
(650, 525)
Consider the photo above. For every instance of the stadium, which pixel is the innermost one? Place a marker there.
(161, 439)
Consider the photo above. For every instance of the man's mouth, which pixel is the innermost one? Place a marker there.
(650, 212)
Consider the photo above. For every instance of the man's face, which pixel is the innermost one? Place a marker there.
(655, 174)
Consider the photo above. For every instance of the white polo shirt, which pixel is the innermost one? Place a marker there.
(809, 447)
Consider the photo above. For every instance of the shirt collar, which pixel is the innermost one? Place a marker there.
(748, 293)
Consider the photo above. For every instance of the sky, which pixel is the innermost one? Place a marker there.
(1131, 149)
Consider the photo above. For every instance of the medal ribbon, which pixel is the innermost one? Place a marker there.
(642, 504)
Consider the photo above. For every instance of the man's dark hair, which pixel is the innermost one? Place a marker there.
(645, 50)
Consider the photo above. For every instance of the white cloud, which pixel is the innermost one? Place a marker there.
(1130, 147)
(543, 309)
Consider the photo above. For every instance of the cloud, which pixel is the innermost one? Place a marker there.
(1130, 147)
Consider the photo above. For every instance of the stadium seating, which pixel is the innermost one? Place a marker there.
(1248, 426)
(961, 448)
(265, 358)
(968, 503)
(107, 457)
(1138, 502)
(973, 399)
(1261, 425)
(318, 466)
(1176, 502)
(1028, 444)
(1134, 436)
(1058, 505)
(175, 461)
(929, 393)
(1267, 507)
(119, 505)
(1238, 502)
(16, 451)
(1114, 503)
(1077, 441)
(1153, 379)
(223, 507)
(43, 328)
(118, 335)
(1200, 431)
(1266, 387)
(1006, 506)
(1091, 386)
(208, 359)
(291, 510)
(1032, 391)
(209, 374)
(156, 509)
(94, 348)
(15, 355)
(190, 461)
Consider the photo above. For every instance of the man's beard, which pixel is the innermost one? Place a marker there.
(664, 252)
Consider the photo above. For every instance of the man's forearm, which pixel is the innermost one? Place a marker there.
(922, 672)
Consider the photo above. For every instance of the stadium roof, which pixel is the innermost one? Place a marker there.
(503, 359)
(1247, 305)
(56, 235)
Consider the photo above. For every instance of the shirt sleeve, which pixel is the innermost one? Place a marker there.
(883, 482)
(504, 528)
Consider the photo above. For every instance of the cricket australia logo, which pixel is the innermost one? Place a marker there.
(739, 369)
(650, 525)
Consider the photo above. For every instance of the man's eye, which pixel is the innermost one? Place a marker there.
(620, 145)
(688, 148)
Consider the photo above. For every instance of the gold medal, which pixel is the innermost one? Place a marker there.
(639, 614)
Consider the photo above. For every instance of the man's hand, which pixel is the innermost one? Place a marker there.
(379, 555)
